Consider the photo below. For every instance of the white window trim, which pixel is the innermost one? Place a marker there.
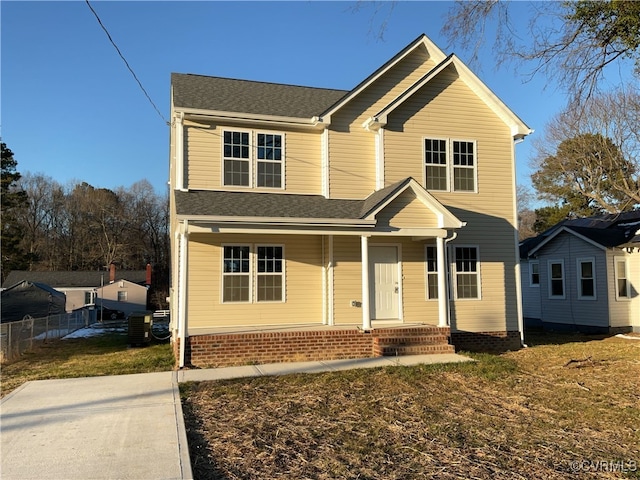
(564, 282)
(449, 163)
(427, 273)
(626, 276)
(531, 263)
(249, 160)
(253, 273)
(454, 272)
(475, 166)
(223, 274)
(282, 274)
(253, 159)
(579, 279)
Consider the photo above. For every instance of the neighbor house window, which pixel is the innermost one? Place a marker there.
(236, 273)
(622, 282)
(534, 274)
(556, 279)
(450, 165)
(467, 272)
(122, 295)
(89, 297)
(270, 275)
(253, 159)
(432, 272)
(586, 279)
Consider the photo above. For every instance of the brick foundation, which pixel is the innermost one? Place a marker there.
(216, 350)
(494, 342)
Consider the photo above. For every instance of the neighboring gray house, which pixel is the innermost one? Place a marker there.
(125, 290)
(584, 275)
(31, 299)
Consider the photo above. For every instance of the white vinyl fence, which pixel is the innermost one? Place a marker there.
(19, 337)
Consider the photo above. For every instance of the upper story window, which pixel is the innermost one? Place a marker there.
(450, 165)
(252, 159)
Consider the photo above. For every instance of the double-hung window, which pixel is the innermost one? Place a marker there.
(556, 279)
(534, 273)
(586, 278)
(270, 273)
(236, 273)
(432, 272)
(252, 159)
(622, 282)
(466, 272)
(450, 165)
(244, 267)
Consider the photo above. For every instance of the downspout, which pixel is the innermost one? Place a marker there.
(179, 117)
(454, 235)
(517, 245)
(182, 294)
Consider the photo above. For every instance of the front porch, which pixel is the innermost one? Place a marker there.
(231, 346)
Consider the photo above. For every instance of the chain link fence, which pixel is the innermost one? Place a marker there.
(19, 337)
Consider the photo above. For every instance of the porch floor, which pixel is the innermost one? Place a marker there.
(302, 327)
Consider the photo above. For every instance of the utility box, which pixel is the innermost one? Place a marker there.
(140, 324)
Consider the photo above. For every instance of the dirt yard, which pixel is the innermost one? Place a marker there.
(566, 407)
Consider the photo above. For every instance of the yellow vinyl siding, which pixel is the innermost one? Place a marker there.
(303, 282)
(203, 157)
(347, 279)
(406, 211)
(352, 171)
(302, 158)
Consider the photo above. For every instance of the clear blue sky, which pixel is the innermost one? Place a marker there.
(71, 110)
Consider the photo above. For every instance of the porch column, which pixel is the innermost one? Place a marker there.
(364, 248)
(443, 303)
(182, 295)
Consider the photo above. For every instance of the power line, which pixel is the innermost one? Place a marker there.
(126, 63)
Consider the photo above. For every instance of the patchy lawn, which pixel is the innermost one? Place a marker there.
(85, 356)
(567, 407)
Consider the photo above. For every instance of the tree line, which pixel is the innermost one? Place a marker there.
(47, 226)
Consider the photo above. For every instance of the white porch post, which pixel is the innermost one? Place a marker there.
(443, 304)
(366, 317)
(182, 296)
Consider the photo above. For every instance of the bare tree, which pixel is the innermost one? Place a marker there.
(572, 43)
(593, 151)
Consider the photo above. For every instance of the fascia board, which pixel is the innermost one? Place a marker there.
(518, 127)
(435, 53)
(277, 220)
(568, 230)
(381, 117)
(217, 115)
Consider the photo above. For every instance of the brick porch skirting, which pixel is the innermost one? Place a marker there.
(495, 342)
(218, 350)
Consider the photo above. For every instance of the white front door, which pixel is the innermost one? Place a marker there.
(383, 282)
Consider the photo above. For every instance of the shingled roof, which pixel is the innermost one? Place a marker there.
(73, 278)
(246, 96)
(278, 205)
(610, 230)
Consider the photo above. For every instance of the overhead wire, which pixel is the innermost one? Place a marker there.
(126, 63)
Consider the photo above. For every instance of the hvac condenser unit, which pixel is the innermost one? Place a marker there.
(140, 324)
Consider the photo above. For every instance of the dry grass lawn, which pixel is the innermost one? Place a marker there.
(567, 407)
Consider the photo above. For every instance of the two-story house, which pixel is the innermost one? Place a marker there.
(312, 223)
